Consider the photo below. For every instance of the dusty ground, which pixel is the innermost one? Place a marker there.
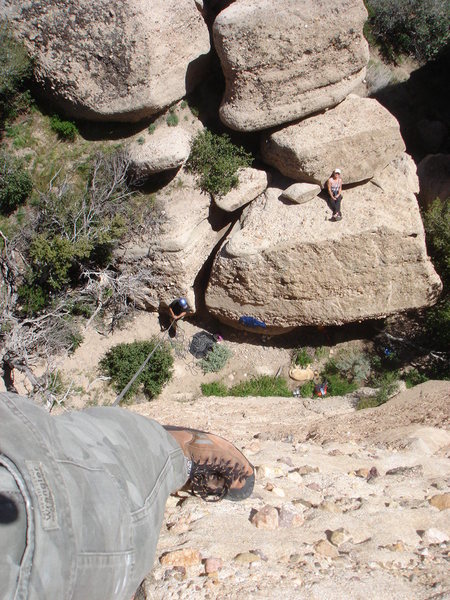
(357, 483)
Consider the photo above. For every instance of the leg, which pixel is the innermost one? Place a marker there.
(94, 484)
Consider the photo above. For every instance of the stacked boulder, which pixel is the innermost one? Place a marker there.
(293, 69)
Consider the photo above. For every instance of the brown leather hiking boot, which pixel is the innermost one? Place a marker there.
(219, 470)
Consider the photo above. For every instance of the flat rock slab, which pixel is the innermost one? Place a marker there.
(111, 60)
(252, 183)
(301, 192)
(167, 148)
(287, 59)
(359, 135)
(289, 265)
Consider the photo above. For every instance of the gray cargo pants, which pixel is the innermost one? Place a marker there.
(82, 499)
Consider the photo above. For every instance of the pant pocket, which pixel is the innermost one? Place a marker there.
(105, 576)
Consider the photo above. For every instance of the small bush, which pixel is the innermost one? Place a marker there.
(151, 128)
(183, 104)
(122, 361)
(141, 141)
(216, 388)
(15, 183)
(437, 228)
(413, 378)
(339, 385)
(172, 118)
(387, 384)
(216, 358)
(15, 67)
(307, 389)
(419, 28)
(32, 298)
(261, 386)
(302, 358)
(215, 160)
(354, 363)
(66, 130)
(437, 322)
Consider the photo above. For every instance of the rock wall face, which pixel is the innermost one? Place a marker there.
(287, 59)
(119, 61)
(289, 265)
(359, 135)
(177, 248)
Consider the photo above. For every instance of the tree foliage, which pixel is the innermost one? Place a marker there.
(66, 130)
(215, 160)
(15, 183)
(15, 68)
(420, 28)
(122, 361)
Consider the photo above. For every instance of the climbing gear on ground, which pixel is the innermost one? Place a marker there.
(320, 389)
(201, 343)
(219, 470)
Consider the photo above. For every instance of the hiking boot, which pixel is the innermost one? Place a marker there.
(338, 217)
(219, 470)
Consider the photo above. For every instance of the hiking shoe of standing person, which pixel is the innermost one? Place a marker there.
(219, 470)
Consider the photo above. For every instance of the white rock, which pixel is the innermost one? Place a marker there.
(434, 536)
(277, 69)
(252, 183)
(359, 135)
(301, 192)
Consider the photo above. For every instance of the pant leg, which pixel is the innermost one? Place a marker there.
(337, 204)
(95, 484)
(120, 508)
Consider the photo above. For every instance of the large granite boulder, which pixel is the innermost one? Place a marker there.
(359, 135)
(434, 178)
(287, 59)
(111, 60)
(164, 150)
(252, 183)
(289, 265)
(175, 250)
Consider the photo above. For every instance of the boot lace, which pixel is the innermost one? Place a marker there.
(224, 471)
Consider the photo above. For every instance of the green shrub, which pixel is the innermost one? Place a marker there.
(339, 385)
(151, 128)
(419, 28)
(15, 67)
(321, 352)
(261, 386)
(141, 141)
(437, 322)
(53, 257)
(183, 104)
(216, 358)
(122, 361)
(387, 384)
(302, 358)
(307, 389)
(215, 160)
(437, 228)
(353, 363)
(172, 118)
(15, 183)
(32, 298)
(216, 388)
(413, 378)
(66, 130)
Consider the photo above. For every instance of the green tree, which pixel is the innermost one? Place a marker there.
(215, 160)
(15, 183)
(420, 28)
(15, 68)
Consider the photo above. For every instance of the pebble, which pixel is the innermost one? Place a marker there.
(397, 547)
(306, 469)
(324, 548)
(434, 536)
(289, 516)
(212, 565)
(416, 470)
(339, 536)
(264, 471)
(440, 501)
(330, 507)
(186, 557)
(270, 487)
(266, 518)
(362, 473)
(294, 476)
(178, 573)
(247, 558)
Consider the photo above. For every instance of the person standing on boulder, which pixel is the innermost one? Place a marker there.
(334, 186)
